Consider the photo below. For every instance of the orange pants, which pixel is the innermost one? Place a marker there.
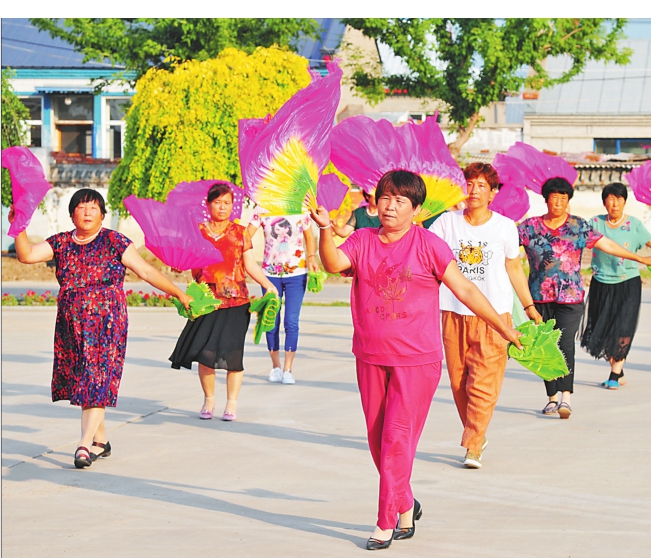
(475, 355)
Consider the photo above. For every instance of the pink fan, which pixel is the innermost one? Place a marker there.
(282, 157)
(639, 179)
(171, 234)
(28, 185)
(331, 191)
(364, 149)
(192, 197)
(511, 201)
(523, 165)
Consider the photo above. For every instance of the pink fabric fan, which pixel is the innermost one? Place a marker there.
(639, 179)
(331, 191)
(28, 185)
(171, 234)
(523, 165)
(192, 197)
(282, 157)
(511, 201)
(364, 149)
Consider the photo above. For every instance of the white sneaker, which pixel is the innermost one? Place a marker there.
(288, 377)
(276, 375)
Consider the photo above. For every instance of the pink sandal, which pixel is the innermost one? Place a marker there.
(205, 414)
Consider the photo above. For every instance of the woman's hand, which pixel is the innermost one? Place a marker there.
(512, 335)
(647, 260)
(533, 314)
(272, 288)
(185, 300)
(321, 217)
(312, 264)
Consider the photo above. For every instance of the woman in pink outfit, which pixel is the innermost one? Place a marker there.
(397, 270)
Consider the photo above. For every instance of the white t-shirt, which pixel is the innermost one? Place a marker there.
(481, 254)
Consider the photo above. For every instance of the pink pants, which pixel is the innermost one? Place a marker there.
(396, 400)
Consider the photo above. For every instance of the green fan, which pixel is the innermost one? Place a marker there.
(203, 301)
(315, 280)
(267, 308)
(540, 352)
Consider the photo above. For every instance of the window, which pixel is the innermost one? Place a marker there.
(614, 146)
(35, 122)
(73, 117)
(116, 110)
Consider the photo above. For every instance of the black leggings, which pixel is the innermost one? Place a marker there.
(568, 317)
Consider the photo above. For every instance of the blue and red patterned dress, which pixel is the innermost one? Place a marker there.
(90, 337)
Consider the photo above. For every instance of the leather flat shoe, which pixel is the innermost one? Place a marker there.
(403, 533)
(106, 450)
(82, 457)
(377, 544)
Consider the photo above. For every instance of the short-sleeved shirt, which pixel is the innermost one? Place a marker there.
(360, 219)
(227, 279)
(632, 235)
(481, 253)
(284, 247)
(395, 296)
(555, 258)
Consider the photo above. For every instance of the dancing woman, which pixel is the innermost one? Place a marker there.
(613, 301)
(397, 270)
(90, 336)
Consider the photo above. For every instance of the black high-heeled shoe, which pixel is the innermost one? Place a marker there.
(106, 450)
(377, 544)
(402, 533)
(82, 457)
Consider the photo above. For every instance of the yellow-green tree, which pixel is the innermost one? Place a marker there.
(182, 125)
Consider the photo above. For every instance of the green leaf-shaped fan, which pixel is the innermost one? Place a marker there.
(540, 352)
(203, 301)
(267, 308)
(315, 280)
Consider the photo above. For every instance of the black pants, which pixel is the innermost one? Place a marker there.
(568, 317)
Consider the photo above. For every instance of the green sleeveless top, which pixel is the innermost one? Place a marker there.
(360, 219)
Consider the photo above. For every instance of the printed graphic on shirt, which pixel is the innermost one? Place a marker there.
(388, 288)
(473, 260)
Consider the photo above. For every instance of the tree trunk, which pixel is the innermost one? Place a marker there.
(464, 135)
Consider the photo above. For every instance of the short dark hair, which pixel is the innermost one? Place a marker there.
(218, 189)
(475, 170)
(85, 195)
(402, 183)
(616, 189)
(557, 185)
(283, 223)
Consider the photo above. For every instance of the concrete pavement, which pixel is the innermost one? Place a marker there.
(293, 476)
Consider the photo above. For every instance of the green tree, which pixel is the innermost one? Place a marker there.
(138, 44)
(13, 129)
(182, 124)
(470, 63)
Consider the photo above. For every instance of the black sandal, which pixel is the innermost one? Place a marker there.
(402, 533)
(106, 450)
(80, 460)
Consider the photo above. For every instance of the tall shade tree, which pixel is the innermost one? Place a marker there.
(14, 113)
(138, 44)
(470, 63)
(182, 124)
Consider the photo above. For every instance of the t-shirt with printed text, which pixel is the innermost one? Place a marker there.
(481, 253)
(395, 296)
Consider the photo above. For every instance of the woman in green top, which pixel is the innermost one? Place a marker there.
(362, 218)
(613, 302)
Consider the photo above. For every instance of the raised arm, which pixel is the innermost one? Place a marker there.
(29, 253)
(334, 260)
(519, 281)
(155, 278)
(611, 247)
(474, 299)
(344, 231)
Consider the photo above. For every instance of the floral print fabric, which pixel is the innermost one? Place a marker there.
(227, 279)
(284, 247)
(555, 258)
(90, 336)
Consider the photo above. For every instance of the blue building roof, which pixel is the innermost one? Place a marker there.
(25, 46)
(328, 43)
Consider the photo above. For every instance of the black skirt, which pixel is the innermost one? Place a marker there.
(611, 317)
(215, 340)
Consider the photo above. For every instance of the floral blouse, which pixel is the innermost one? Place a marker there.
(227, 279)
(555, 258)
(284, 248)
